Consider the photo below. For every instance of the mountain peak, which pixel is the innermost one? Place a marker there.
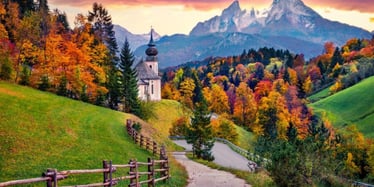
(293, 9)
(233, 9)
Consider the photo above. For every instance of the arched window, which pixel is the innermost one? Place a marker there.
(152, 89)
(150, 66)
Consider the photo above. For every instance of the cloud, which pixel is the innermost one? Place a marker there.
(359, 5)
(191, 4)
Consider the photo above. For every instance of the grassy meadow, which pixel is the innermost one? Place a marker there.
(354, 105)
(39, 130)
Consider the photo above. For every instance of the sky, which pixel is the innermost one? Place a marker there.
(169, 17)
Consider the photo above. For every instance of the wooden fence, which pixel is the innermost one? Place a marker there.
(143, 141)
(154, 170)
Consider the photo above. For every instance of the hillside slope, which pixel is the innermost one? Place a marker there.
(39, 130)
(354, 105)
(169, 110)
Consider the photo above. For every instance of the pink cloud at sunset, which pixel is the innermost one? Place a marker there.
(180, 16)
(361, 5)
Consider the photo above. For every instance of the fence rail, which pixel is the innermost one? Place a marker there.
(156, 170)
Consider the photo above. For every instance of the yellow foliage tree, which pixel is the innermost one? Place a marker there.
(308, 85)
(186, 89)
(218, 101)
(293, 76)
(336, 87)
(273, 117)
(245, 105)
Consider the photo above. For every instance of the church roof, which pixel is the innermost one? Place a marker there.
(145, 72)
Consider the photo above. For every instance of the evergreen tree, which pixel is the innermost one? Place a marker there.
(129, 82)
(113, 85)
(198, 94)
(25, 6)
(102, 28)
(25, 76)
(336, 58)
(62, 90)
(200, 132)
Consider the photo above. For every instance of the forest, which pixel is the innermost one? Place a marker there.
(40, 49)
(264, 90)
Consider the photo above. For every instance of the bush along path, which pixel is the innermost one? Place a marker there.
(201, 175)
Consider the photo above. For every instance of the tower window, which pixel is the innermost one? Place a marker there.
(152, 89)
(150, 66)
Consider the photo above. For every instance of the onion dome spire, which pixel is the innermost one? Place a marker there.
(151, 50)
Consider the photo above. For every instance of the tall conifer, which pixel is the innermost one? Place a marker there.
(103, 29)
(129, 82)
(200, 132)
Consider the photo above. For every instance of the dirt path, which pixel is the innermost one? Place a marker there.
(201, 175)
(223, 155)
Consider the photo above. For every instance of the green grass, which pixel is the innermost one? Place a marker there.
(354, 105)
(320, 95)
(39, 130)
(245, 138)
(259, 179)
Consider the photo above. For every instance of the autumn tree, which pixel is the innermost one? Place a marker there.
(272, 119)
(129, 81)
(224, 128)
(245, 105)
(218, 101)
(179, 127)
(186, 89)
(301, 162)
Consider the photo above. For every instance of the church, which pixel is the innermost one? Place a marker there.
(149, 83)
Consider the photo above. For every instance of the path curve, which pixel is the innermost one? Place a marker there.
(201, 175)
(223, 155)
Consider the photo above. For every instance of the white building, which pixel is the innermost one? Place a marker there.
(149, 83)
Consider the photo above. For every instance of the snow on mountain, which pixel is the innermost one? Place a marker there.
(286, 24)
(294, 10)
(284, 18)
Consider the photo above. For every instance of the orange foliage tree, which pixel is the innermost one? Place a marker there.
(245, 105)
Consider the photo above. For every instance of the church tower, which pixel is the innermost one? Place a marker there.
(149, 83)
(151, 52)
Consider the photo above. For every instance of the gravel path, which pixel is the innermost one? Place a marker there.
(201, 175)
(223, 155)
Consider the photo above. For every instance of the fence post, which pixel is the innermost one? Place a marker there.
(167, 173)
(148, 143)
(131, 173)
(105, 174)
(53, 179)
(136, 174)
(162, 152)
(141, 140)
(127, 126)
(154, 148)
(110, 173)
(151, 176)
(135, 137)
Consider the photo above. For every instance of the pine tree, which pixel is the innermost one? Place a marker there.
(336, 59)
(103, 30)
(129, 83)
(200, 132)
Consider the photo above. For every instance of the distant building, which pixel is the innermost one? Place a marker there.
(149, 83)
